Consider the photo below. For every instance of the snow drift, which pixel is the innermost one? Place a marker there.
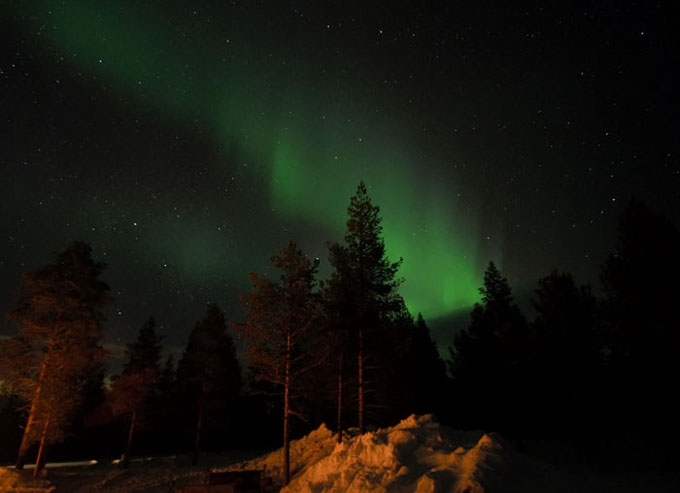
(12, 481)
(416, 455)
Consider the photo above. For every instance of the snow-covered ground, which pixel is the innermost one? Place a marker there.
(418, 455)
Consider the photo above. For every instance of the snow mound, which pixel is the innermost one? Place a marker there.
(12, 481)
(308, 450)
(417, 455)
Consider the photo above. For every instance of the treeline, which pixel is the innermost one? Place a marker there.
(345, 351)
(587, 372)
(56, 393)
(594, 374)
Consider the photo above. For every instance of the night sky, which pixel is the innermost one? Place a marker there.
(188, 141)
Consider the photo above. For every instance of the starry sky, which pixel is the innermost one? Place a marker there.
(188, 141)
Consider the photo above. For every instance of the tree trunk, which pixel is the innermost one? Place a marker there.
(43, 459)
(340, 399)
(360, 361)
(128, 445)
(39, 462)
(25, 444)
(286, 409)
(199, 426)
(25, 439)
(361, 313)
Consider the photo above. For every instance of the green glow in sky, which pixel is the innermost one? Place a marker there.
(311, 147)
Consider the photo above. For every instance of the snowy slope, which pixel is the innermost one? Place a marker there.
(417, 455)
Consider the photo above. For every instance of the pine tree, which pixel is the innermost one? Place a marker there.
(335, 298)
(279, 333)
(60, 320)
(423, 372)
(209, 374)
(145, 352)
(567, 354)
(167, 382)
(131, 392)
(363, 285)
(490, 357)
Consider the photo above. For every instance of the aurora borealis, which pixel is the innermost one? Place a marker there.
(187, 141)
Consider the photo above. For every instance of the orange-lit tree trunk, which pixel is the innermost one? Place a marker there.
(286, 412)
(59, 318)
(39, 462)
(340, 399)
(128, 445)
(25, 442)
(26, 438)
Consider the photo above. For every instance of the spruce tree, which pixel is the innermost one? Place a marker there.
(566, 355)
(209, 375)
(167, 382)
(489, 360)
(166, 406)
(363, 286)
(132, 391)
(145, 352)
(423, 372)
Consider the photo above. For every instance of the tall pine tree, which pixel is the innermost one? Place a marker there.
(59, 315)
(363, 286)
(282, 322)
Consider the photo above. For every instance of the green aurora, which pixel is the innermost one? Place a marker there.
(311, 139)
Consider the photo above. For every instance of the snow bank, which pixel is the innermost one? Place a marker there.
(417, 455)
(308, 450)
(12, 481)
